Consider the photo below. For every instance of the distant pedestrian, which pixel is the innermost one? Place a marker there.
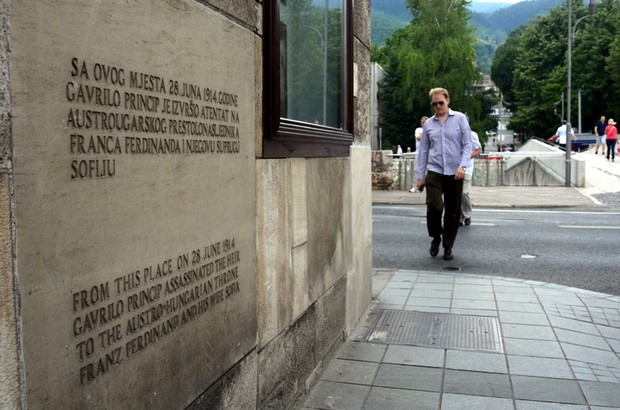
(444, 152)
(560, 135)
(599, 130)
(466, 206)
(418, 131)
(399, 150)
(611, 132)
(418, 137)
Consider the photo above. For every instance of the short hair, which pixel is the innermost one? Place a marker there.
(435, 91)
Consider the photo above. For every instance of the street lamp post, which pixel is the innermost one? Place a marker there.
(569, 128)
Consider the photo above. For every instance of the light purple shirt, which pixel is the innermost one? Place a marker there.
(444, 147)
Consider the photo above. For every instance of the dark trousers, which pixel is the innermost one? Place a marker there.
(443, 198)
(611, 148)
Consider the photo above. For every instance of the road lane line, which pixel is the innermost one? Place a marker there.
(473, 223)
(588, 227)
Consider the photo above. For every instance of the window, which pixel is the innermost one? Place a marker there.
(308, 78)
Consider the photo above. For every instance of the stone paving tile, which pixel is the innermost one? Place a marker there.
(474, 312)
(540, 366)
(476, 361)
(415, 356)
(601, 303)
(409, 377)
(470, 280)
(560, 300)
(435, 280)
(586, 376)
(369, 352)
(577, 338)
(595, 372)
(615, 322)
(337, 396)
(459, 402)
(529, 347)
(406, 275)
(539, 405)
(589, 355)
(544, 389)
(399, 285)
(528, 332)
(516, 289)
(519, 307)
(567, 312)
(383, 398)
(472, 288)
(424, 293)
(601, 394)
(428, 302)
(350, 371)
(386, 306)
(477, 383)
(512, 297)
(433, 286)
(474, 295)
(524, 318)
(473, 304)
(570, 324)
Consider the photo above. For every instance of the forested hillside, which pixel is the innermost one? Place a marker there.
(491, 28)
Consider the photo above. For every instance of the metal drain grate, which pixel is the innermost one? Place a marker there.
(437, 330)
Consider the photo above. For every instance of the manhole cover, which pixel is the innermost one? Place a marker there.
(442, 330)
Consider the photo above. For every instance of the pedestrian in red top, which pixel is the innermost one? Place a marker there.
(611, 134)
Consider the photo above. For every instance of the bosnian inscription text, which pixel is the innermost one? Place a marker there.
(115, 111)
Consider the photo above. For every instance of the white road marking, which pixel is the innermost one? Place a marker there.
(588, 227)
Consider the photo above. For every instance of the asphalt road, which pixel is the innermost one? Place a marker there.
(568, 247)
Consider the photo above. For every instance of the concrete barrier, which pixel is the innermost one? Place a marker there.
(534, 164)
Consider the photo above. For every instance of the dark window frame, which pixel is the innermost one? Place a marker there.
(286, 138)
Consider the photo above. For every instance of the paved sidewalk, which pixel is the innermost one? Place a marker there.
(500, 197)
(523, 345)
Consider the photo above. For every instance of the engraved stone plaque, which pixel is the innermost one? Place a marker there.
(134, 173)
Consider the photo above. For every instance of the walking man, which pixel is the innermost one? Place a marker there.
(444, 152)
(469, 175)
(599, 130)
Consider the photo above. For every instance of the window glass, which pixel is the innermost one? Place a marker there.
(311, 61)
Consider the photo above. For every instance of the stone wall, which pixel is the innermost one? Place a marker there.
(384, 176)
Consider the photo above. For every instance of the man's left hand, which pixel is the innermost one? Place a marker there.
(460, 174)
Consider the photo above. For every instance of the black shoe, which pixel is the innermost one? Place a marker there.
(447, 254)
(467, 221)
(435, 247)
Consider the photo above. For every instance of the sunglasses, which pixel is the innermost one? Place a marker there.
(436, 103)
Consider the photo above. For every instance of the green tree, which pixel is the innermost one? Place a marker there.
(435, 50)
(532, 68)
(503, 64)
